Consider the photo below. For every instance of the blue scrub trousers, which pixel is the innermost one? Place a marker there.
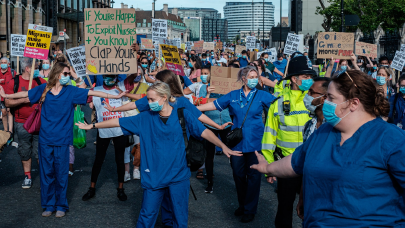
(247, 181)
(54, 173)
(175, 194)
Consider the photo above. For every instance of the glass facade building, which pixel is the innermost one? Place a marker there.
(248, 16)
(214, 29)
(194, 24)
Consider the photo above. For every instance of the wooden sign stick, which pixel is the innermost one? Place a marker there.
(286, 68)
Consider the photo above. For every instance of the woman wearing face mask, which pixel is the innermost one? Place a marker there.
(383, 80)
(238, 101)
(195, 66)
(356, 154)
(186, 67)
(145, 67)
(397, 105)
(56, 133)
(46, 68)
(160, 181)
(61, 58)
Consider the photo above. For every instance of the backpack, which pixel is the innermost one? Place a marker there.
(195, 149)
(17, 84)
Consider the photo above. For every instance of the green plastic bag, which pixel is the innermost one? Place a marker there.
(79, 135)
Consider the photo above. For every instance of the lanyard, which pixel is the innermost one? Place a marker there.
(248, 97)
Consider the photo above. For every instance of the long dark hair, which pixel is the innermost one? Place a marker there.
(197, 64)
(168, 77)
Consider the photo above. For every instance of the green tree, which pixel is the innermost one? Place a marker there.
(390, 13)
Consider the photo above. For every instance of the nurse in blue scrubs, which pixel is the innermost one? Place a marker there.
(354, 167)
(163, 155)
(56, 133)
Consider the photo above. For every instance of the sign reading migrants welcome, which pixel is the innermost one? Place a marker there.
(109, 34)
(172, 59)
(338, 45)
(38, 42)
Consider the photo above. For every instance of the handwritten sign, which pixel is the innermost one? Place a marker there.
(402, 48)
(292, 43)
(250, 42)
(198, 46)
(177, 42)
(172, 59)
(17, 45)
(189, 44)
(338, 45)
(159, 29)
(218, 45)
(77, 57)
(399, 61)
(38, 41)
(366, 49)
(224, 79)
(239, 49)
(109, 34)
(208, 46)
(147, 44)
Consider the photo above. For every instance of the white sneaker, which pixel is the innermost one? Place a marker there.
(27, 183)
(127, 177)
(137, 174)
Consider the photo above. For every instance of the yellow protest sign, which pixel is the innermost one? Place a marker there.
(38, 41)
(172, 59)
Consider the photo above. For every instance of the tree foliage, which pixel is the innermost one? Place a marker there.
(389, 13)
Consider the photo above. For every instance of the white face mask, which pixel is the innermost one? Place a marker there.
(308, 102)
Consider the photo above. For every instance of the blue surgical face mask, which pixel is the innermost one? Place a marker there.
(402, 90)
(329, 114)
(305, 84)
(144, 65)
(148, 54)
(344, 68)
(252, 83)
(374, 67)
(280, 61)
(64, 80)
(154, 106)
(203, 59)
(36, 73)
(190, 64)
(45, 66)
(244, 56)
(109, 81)
(4, 66)
(380, 80)
(212, 53)
(204, 78)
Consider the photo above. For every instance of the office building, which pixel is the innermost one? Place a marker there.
(303, 19)
(215, 30)
(194, 24)
(249, 16)
(184, 12)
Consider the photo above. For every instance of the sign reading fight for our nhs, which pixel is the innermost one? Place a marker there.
(109, 34)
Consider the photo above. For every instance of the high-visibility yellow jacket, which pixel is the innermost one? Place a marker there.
(279, 87)
(321, 74)
(282, 130)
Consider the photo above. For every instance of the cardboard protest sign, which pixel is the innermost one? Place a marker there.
(147, 44)
(17, 45)
(402, 48)
(189, 44)
(250, 42)
(224, 79)
(172, 59)
(218, 45)
(109, 34)
(208, 46)
(239, 49)
(366, 49)
(38, 41)
(183, 46)
(159, 29)
(399, 61)
(338, 45)
(77, 57)
(177, 42)
(292, 43)
(272, 54)
(198, 46)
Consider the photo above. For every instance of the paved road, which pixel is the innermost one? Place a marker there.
(22, 207)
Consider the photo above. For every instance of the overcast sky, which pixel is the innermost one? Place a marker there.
(216, 4)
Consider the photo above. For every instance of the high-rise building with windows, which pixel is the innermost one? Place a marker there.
(249, 16)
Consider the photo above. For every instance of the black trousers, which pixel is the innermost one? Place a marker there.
(287, 190)
(101, 150)
(209, 160)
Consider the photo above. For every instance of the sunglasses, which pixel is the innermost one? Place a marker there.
(339, 73)
(66, 73)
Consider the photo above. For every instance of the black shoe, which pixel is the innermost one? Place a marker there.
(209, 188)
(121, 194)
(239, 212)
(247, 218)
(90, 194)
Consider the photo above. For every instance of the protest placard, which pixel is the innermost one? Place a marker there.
(198, 46)
(224, 79)
(17, 45)
(239, 49)
(172, 59)
(272, 54)
(292, 43)
(250, 42)
(366, 49)
(38, 41)
(399, 61)
(77, 57)
(208, 46)
(177, 42)
(189, 44)
(147, 44)
(218, 46)
(109, 34)
(402, 48)
(338, 45)
(159, 29)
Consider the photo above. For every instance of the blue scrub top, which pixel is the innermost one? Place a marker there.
(243, 62)
(358, 184)
(253, 128)
(163, 152)
(281, 66)
(57, 113)
(143, 105)
(97, 78)
(187, 82)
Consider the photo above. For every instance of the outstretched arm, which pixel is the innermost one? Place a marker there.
(209, 135)
(104, 95)
(207, 107)
(281, 168)
(126, 107)
(105, 124)
(22, 94)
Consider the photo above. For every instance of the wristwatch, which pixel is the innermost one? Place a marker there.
(94, 125)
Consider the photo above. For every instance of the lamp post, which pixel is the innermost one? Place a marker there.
(112, 3)
(281, 13)
(342, 13)
(263, 24)
(8, 40)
